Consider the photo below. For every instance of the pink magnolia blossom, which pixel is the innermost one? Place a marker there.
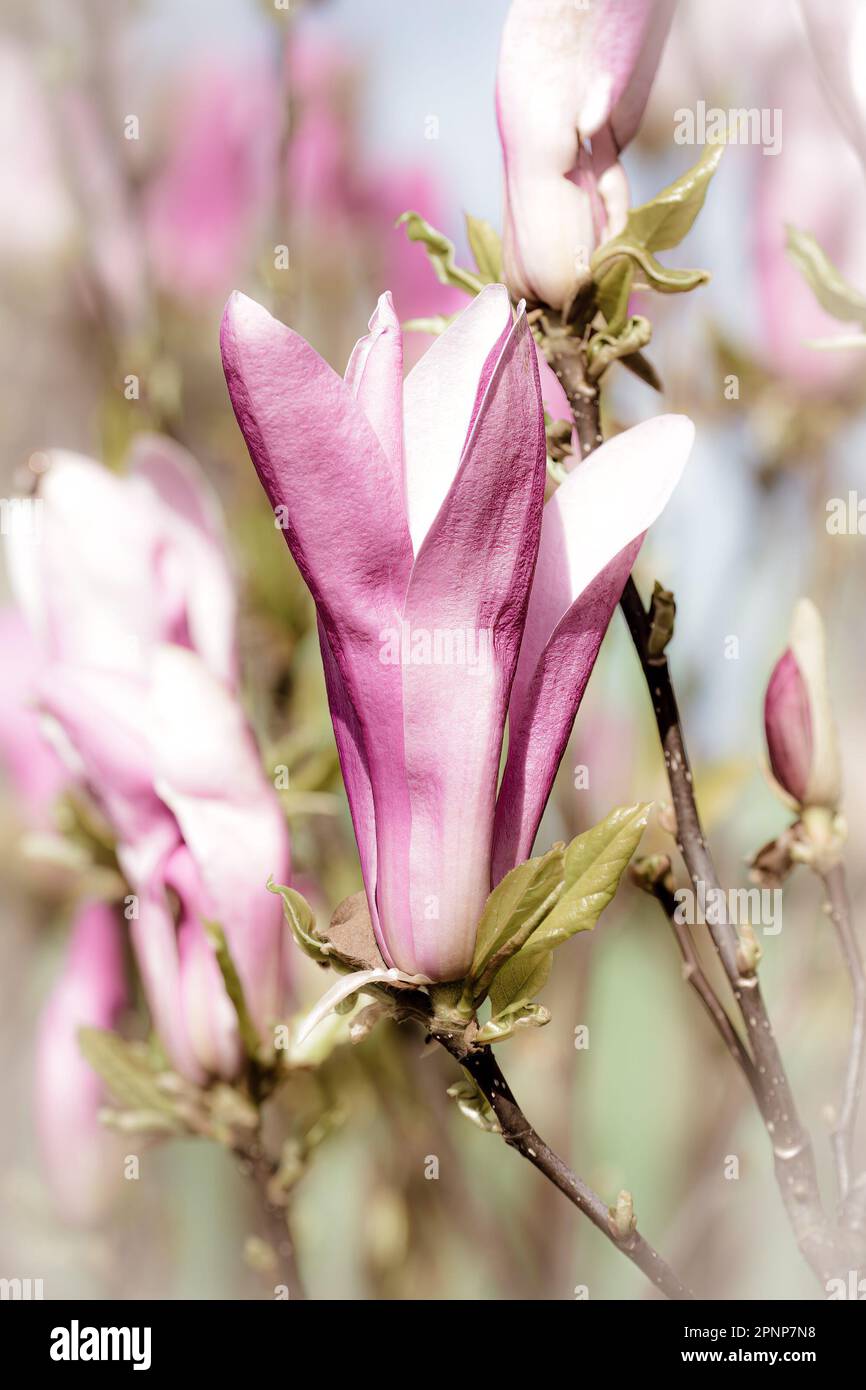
(81, 1159)
(37, 216)
(35, 772)
(414, 511)
(815, 184)
(801, 736)
(572, 84)
(131, 596)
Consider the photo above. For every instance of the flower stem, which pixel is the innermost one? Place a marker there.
(517, 1132)
(794, 1162)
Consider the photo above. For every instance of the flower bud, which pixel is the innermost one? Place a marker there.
(801, 737)
(572, 83)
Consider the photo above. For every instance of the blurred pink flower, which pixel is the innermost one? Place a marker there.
(416, 513)
(81, 1158)
(35, 771)
(209, 195)
(132, 599)
(572, 84)
(37, 217)
(815, 184)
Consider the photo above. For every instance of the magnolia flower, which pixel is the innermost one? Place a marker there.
(798, 722)
(131, 597)
(414, 512)
(36, 773)
(804, 188)
(79, 1155)
(572, 84)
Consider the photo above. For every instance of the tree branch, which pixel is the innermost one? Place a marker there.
(794, 1162)
(839, 912)
(694, 975)
(519, 1134)
(255, 1164)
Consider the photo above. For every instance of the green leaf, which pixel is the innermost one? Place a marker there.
(301, 922)
(504, 1026)
(234, 989)
(605, 348)
(441, 253)
(830, 288)
(127, 1068)
(473, 1104)
(659, 277)
(520, 894)
(486, 248)
(519, 980)
(614, 291)
(654, 226)
(594, 865)
(665, 219)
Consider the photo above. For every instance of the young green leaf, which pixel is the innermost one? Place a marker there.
(128, 1072)
(513, 901)
(505, 1025)
(658, 277)
(663, 221)
(614, 290)
(301, 922)
(519, 980)
(234, 989)
(441, 253)
(486, 247)
(654, 226)
(829, 286)
(473, 1104)
(594, 865)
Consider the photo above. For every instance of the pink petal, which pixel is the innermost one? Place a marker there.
(207, 770)
(375, 378)
(191, 539)
(319, 458)
(82, 1159)
(471, 580)
(154, 940)
(788, 726)
(441, 395)
(592, 529)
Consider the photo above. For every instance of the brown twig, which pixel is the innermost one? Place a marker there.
(839, 912)
(694, 976)
(519, 1134)
(255, 1164)
(794, 1162)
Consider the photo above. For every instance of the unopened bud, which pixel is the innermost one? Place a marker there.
(801, 737)
(621, 1217)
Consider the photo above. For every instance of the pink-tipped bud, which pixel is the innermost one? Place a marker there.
(801, 738)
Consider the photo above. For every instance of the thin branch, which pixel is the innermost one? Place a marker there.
(794, 1161)
(694, 976)
(839, 912)
(256, 1165)
(517, 1132)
